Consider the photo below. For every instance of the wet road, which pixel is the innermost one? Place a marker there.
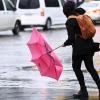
(18, 74)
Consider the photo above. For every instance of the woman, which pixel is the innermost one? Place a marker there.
(83, 50)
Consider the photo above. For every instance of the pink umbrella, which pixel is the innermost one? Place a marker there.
(43, 56)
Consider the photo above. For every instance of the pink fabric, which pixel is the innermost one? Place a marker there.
(47, 63)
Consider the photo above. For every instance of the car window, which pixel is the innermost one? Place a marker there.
(51, 3)
(86, 5)
(63, 2)
(1, 5)
(28, 4)
(93, 4)
(8, 5)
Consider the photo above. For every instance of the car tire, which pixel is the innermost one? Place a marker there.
(48, 24)
(16, 29)
(94, 22)
(22, 28)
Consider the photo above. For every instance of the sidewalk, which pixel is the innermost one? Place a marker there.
(40, 94)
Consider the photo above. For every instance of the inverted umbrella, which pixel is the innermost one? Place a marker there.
(43, 56)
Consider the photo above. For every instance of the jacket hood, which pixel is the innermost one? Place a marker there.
(80, 11)
(68, 8)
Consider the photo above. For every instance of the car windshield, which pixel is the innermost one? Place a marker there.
(91, 4)
(28, 4)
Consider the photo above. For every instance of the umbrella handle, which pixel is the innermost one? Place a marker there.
(55, 49)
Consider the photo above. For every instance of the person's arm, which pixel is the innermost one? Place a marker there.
(70, 32)
(96, 46)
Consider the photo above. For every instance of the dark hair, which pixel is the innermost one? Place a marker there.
(69, 7)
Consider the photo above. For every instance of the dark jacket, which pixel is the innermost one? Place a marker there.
(80, 45)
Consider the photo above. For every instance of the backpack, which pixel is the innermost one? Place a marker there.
(86, 26)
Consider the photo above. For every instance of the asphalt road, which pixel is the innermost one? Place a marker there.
(20, 78)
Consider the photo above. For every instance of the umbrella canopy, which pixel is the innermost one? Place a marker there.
(46, 61)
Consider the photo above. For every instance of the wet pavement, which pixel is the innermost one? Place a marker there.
(17, 93)
(20, 78)
(35, 94)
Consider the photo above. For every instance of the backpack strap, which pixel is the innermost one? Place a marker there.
(76, 17)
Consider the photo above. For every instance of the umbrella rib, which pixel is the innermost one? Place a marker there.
(50, 57)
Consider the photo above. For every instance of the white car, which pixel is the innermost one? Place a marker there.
(8, 17)
(92, 9)
(43, 13)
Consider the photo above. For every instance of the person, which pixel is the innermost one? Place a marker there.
(83, 50)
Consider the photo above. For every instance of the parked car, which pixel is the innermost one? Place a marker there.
(43, 13)
(8, 17)
(92, 9)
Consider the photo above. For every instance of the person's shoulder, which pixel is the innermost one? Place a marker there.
(71, 21)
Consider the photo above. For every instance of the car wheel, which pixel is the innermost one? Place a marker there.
(16, 28)
(97, 22)
(48, 24)
(22, 28)
(94, 22)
